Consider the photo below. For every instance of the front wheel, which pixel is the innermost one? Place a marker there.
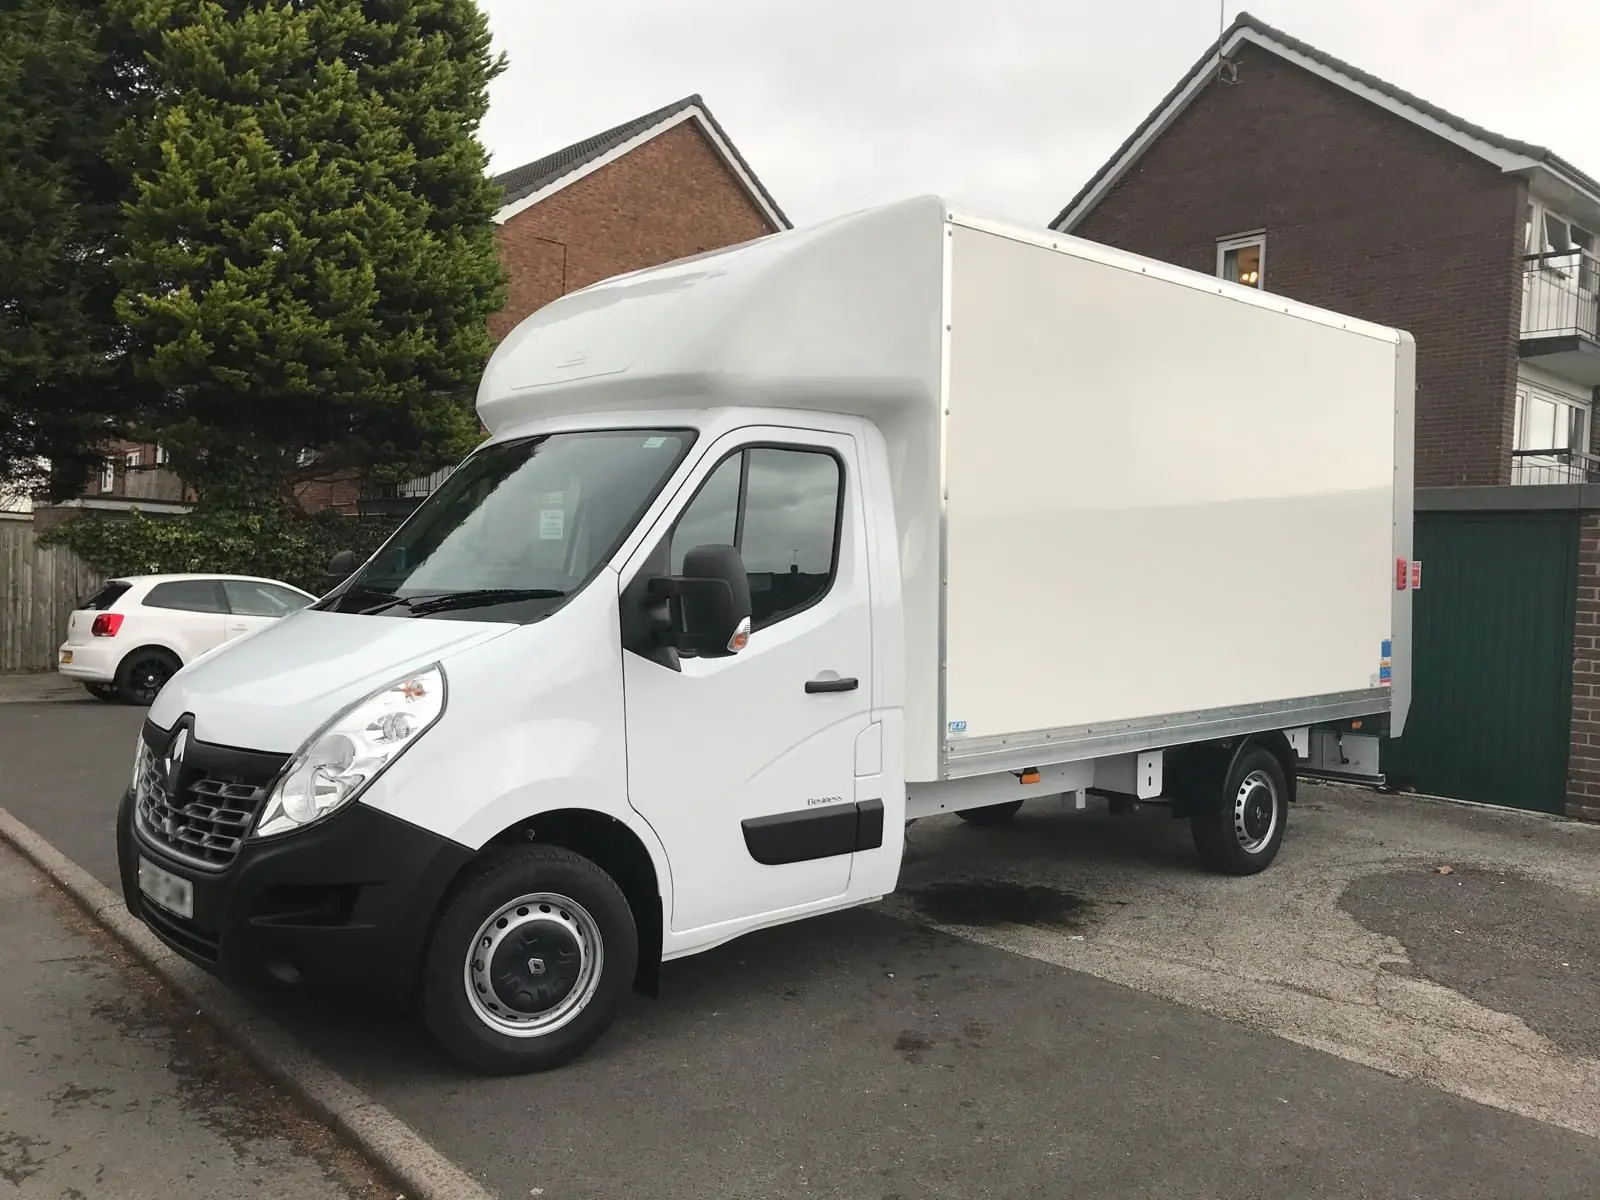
(529, 962)
(1239, 832)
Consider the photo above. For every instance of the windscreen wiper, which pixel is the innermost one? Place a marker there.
(387, 601)
(479, 598)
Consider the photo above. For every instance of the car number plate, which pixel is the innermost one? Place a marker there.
(66, 658)
(171, 892)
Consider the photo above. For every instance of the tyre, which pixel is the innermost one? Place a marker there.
(1240, 832)
(531, 957)
(992, 814)
(101, 691)
(143, 674)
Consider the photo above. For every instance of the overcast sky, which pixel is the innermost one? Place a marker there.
(1005, 105)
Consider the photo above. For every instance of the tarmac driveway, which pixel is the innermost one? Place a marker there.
(1064, 1006)
(1455, 945)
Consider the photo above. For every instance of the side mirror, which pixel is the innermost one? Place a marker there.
(341, 566)
(709, 604)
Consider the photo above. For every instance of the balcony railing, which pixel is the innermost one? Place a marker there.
(411, 489)
(1554, 466)
(1561, 295)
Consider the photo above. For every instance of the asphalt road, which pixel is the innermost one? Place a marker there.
(974, 1037)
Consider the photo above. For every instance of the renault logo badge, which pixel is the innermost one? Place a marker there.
(175, 753)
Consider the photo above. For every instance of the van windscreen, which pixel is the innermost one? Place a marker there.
(517, 527)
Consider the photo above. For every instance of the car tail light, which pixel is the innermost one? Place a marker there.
(106, 625)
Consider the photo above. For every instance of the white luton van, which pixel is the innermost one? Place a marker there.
(771, 551)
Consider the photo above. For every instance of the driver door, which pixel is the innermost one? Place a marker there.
(745, 766)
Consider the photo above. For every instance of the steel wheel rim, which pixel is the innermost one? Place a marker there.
(1255, 812)
(541, 918)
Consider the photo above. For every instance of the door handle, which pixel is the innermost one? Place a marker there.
(813, 686)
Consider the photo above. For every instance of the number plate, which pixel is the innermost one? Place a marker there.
(171, 892)
(66, 658)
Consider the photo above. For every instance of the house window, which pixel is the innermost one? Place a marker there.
(133, 459)
(1547, 421)
(1243, 260)
(108, 476)
(161, 456)
(1564, 247)
(1557, 235)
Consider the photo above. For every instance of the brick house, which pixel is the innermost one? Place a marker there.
(1275, 165)
(1281, 167)
(662, 186)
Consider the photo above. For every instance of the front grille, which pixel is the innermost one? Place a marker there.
(201, 810)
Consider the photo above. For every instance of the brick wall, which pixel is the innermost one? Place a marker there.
(1583, 767)
(1365, 214)
(143, 479)
(669, 198)
(341, 492)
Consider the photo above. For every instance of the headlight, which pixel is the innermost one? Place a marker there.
(352, 750)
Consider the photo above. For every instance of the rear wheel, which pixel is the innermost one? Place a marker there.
(529, 962)
(143, 674)
(1239, 832)
(993, 814)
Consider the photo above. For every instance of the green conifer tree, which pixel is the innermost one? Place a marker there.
(311, 259)
(64, 388)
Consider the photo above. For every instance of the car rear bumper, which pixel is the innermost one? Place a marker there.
(90, 663)
(344, 907)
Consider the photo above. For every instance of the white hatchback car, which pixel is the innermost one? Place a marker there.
(133, 634)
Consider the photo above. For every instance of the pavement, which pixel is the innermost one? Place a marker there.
(109, 1089)
(1062, 1006)
(41, 687)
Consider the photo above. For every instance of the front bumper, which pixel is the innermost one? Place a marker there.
(343, 907)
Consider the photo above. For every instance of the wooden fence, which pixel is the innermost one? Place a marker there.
(39, 587)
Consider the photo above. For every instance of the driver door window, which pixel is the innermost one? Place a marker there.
(780, 509)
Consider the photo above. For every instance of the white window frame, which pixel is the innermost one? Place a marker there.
(108, 476)
(161, 455)
(133, 459)
(1536, 240)
(1537, 228)
(1243, 241)
(1528, 389)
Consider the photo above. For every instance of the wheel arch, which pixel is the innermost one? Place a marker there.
(146, 647)
(1195, 772)
(617, 849)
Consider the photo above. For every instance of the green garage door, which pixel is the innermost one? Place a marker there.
(1492, 673)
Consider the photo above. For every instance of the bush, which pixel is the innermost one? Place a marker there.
(278, 543)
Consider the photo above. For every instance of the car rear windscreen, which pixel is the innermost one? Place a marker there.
(107, 596)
